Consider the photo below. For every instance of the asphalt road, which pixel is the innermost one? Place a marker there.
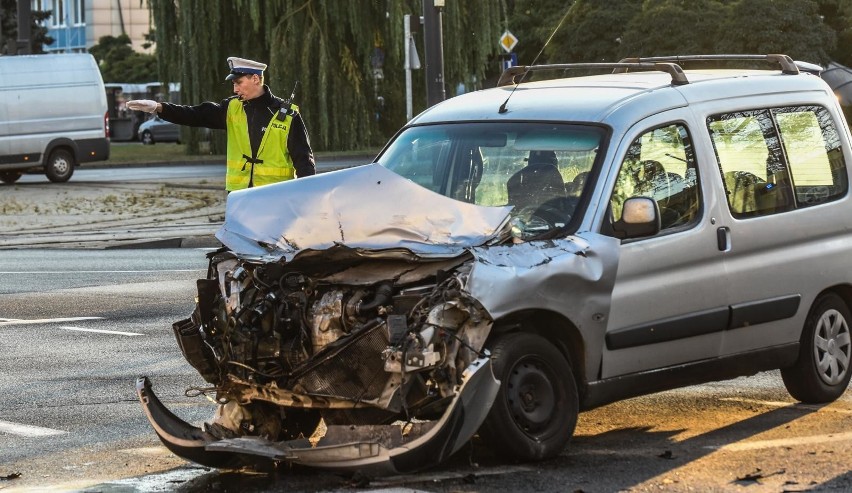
(78, 326)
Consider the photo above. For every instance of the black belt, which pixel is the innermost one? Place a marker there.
(251, 160)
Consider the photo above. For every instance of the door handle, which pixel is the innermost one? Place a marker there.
(723, 238)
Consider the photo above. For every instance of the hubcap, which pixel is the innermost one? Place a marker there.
(832, 347)
(60, 165)
(531, 396)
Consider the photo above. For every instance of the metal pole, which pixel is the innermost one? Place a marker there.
(433, 34)
(24, 33)
(409, 110)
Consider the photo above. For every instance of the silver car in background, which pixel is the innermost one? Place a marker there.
(158, 130)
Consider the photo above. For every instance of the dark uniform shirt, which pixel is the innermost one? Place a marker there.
(259, 112)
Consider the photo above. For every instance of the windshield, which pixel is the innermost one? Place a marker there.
(539, 168)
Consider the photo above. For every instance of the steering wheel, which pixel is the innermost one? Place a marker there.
(540, 219)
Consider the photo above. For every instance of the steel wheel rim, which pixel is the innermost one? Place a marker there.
(60, 165)
(531, 396)
(832, 347)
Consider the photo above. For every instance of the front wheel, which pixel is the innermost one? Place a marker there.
(822, 372)
(147, 138)
(59, 166)
(535, 411)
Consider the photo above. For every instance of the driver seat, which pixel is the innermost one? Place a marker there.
(536, 183)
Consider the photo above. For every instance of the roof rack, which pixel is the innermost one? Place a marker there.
(788, 66)
(678, 77)
(669, 64)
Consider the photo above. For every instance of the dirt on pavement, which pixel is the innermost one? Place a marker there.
(177, 213)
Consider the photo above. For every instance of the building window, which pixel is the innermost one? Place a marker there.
(78, 13)
(57, 9)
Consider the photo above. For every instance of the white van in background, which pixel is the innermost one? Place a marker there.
(53, 115)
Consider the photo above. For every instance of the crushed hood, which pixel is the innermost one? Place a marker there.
(362, 208)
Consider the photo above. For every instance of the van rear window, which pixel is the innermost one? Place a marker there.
(778, 159)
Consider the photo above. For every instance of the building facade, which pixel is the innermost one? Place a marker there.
(77, 25)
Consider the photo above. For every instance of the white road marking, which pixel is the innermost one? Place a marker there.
(784, 442)
(116, 332)
(12, 321)
(809, 407)
(27, 430)
(5, 322)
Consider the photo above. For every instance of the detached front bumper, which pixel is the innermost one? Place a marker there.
(373, 449)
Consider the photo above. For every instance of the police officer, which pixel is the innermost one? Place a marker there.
(267, 139)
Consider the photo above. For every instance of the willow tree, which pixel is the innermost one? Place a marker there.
(346, 55)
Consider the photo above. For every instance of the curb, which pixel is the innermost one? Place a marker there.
(220, 160)
(182, 242)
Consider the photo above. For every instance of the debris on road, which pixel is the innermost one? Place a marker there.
(757, 475)
(666, 455)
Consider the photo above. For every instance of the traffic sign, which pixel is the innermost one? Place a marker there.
(508, 61)
(508, 41)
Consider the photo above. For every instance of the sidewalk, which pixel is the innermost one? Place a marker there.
(175, 213)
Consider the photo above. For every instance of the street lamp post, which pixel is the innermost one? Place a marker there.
(24, 46)
(433, 34)
(412, 60)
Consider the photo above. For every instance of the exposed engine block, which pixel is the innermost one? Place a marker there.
(380, 345)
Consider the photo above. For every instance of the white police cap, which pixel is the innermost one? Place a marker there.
(241, 66)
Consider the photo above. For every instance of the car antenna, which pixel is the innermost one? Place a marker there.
(565, 16)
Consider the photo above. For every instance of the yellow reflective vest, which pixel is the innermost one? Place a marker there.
(272, 163)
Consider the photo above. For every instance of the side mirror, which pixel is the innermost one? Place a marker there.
(640, 217)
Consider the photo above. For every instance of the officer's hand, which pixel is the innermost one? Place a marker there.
(145, 105)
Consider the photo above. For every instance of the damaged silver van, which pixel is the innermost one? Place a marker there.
(520, 254)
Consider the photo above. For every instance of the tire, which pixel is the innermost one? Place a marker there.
(59, 166)
(147, 138)
(10, 176)
(535, 411)
(822, 372)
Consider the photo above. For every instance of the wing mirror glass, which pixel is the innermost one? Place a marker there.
(640, 216)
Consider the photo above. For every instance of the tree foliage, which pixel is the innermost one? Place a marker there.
(837, 14)
(347, 56)
(608, 31)
(9, 27)
(674, 27)
(593, 31)
(532, 21)
(119, 63)
(792, 27)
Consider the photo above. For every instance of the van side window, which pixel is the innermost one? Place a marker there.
(776, 160)
(660, 164)
(814, 154)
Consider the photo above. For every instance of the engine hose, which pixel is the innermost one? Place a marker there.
(383, 295)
